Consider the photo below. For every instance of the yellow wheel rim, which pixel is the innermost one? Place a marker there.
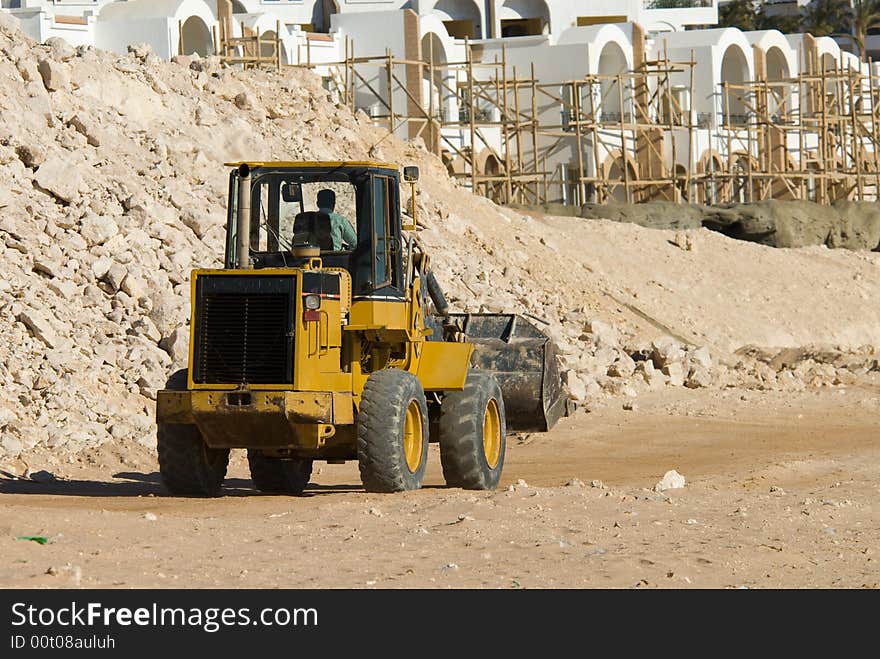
(492, 434)
(413, 436)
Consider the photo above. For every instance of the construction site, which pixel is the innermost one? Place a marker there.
(699, 268)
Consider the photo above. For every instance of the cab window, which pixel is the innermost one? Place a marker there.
(383, 238)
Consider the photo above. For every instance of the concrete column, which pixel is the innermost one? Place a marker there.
(649, 141)
(412, 34)
(224, 17)
(493, 27)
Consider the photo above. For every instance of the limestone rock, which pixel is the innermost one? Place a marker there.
(603, 334)
(98, 229)
(701, 357)
(671, 480)
(675, 373)
(32, 155)
(699, 377)
(60, 177)
(177, 345)
(56, 75)
(60, 50)
(38, 324)
(87, 128)
(205, 116)
(666, 350)
(114, 276)
(623, 367)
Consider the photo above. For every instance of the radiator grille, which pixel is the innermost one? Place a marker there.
(244, 338)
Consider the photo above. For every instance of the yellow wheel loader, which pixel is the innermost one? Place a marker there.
(327, 337)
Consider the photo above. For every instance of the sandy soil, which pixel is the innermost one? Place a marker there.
(781, 492)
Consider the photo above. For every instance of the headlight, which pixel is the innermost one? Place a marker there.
(312, 302)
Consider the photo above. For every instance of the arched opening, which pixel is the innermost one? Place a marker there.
(681, 181)
(734, 72)
(268, 43)
(196, 37)
(521, 18)
(740, 191)
(238, 8)
(461, 18)
(322, 15)
(617, 191)
(811, 183)
(711, 167)
(779, 101)
(494, 189)
(829, 67)
(612, 63)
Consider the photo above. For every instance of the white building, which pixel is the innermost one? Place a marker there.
(562, 40)
(78, 20)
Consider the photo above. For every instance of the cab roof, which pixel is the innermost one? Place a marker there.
(314, 164)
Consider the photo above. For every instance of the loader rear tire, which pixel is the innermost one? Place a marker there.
(473, 434)
(277, 475)
(188, 466)
(392, 432)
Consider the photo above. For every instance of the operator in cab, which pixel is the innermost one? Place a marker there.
(341, 231)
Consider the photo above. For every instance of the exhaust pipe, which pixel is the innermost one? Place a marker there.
(243, 230)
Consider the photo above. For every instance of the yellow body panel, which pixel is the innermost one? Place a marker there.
(302, 420)
(443, 366)
(378, 315)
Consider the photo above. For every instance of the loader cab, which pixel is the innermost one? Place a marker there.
(286, 216)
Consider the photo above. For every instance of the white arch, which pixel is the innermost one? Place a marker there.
(156, 22)
(735, 70)
(196, 37)
(177, 10)
(770, 40)
(612, 62)
(599, 38)
(445, 102)
(828, 46)
(260, 23)
(461, 17)
(779, 98)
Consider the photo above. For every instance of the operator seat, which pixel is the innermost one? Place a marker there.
(313, 228)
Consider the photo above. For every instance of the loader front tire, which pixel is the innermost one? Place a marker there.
(473, 434)
(188, 466)
(392, 432)
(277, 475)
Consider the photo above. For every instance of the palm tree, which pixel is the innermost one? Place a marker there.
(851, 19)
(739, 13)
(865, 17)
(785, 23)
(823, 18)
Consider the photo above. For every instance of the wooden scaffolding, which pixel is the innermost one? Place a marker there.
(629, 137)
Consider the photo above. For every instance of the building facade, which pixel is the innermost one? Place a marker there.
(593, 100)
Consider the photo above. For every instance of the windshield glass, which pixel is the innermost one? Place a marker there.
(351, 214)
(287, 211)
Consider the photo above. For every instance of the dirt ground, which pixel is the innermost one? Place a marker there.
(781, 492)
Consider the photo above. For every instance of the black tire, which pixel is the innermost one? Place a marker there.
(188, 466)
(279, 475)
(463, 426)
(386, 456)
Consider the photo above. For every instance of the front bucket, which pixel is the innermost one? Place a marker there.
(523, 360)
